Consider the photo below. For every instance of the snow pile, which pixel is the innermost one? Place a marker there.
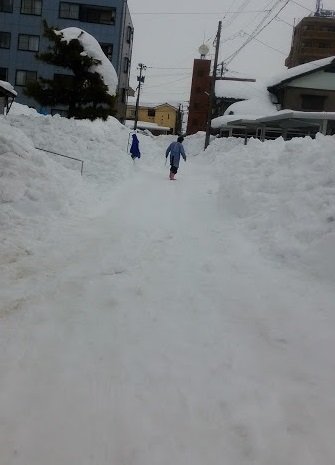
(92, 49)
(33, 189)
(19, 109)
(38, 189)
(252, 108)
(240, 90)
(284, 196)
(100, 144)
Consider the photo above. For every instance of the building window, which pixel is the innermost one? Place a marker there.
(87, 13)
(108, 50)
(69, 10)
(3, 74)
(307, 44)
(23, 77)
(6, 6)
(131, 112)
(324, 45)
(4, 39)
(129, 34)
(125, 65)
(27, 42)
(31, 7)
(97, 14)
(313, 102)
(151, 112)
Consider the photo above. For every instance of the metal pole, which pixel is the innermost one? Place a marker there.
(212, 91)
(140, 79)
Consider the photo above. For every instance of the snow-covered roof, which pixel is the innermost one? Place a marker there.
(253, 106)
(239, 89)
(92, 48)
(146, 125)
(8, 87)
(240, 119)
(147, 104)
(300, 70)
(222, 121)
(309, 115)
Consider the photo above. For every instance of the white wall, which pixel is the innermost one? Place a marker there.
(321, 81)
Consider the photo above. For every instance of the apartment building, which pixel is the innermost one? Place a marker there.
(21, 37)
(313, 39)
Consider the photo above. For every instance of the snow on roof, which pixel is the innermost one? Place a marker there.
(146, 125)
(239, 89)
(145, 104)
(8, 87)
(292, 73)
(222, 121)
(246, 109)
(92, 48)
(253, 106)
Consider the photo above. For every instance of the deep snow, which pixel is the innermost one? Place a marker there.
(144, 321)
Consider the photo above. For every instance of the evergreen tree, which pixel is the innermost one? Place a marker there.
(84, 92)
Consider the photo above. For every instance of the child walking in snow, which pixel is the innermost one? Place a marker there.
(175, 150)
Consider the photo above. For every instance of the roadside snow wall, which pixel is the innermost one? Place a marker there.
(283, 196)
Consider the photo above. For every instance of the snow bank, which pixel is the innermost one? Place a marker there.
(283, 194)
(39, 190)
(33, 189)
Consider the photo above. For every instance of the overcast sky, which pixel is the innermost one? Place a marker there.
(171, 38)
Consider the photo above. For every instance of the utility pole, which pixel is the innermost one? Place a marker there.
(140, 80)
(212, 88)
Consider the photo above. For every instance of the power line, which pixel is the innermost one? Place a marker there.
(258, 30)
(285, 22)
(169, 82)
(159, 67)
(302, 6)
(158, 13)
(266, 45)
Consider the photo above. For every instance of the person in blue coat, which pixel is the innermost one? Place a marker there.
(175, 150)
(135, 148)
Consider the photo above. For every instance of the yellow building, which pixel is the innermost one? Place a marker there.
(161, 114)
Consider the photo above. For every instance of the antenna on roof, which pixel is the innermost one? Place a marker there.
(318, 7)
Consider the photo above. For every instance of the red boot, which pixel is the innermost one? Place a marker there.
(172, 178)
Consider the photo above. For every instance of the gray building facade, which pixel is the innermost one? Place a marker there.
(21, 37)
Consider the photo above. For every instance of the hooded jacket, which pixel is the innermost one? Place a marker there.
(175, 150)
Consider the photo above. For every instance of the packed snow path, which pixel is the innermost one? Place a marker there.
(153, 333)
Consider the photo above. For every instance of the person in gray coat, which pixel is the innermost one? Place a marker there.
(175, 150)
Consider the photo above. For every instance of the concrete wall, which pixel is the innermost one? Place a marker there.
(319, 80)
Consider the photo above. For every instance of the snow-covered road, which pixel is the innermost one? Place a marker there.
(153, 333)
